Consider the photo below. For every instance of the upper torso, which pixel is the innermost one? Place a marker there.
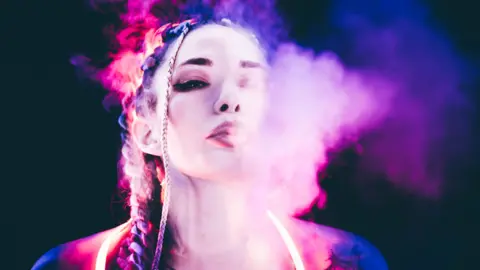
(309, 246)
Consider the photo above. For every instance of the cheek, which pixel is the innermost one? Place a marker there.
(187, 110)
(177, 111)
(255, 108)
(187, 113)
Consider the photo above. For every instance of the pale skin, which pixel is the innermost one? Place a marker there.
(218, 219)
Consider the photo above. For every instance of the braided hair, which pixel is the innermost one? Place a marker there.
(143, 171)
(147, 174)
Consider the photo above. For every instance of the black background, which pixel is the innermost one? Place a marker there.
(68, 177)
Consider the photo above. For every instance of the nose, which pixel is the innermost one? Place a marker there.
(224, 107)
(228, 102)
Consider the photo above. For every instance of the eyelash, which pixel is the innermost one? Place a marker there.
(190, 85)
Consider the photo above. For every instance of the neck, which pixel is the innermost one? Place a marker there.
(211, 216)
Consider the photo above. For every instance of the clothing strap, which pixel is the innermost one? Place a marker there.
(101, 261)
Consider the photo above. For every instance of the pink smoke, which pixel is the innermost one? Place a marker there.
(400, 94)
(316, 104)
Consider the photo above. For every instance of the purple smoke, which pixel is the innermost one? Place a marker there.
(429, 113)
(400, 87)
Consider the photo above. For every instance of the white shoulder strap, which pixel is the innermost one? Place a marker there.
(101, 260)
(287, 238)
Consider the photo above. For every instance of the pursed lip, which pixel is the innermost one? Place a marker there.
(221, 134)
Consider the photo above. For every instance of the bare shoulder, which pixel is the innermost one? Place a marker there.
(338, 249)
(77, 254)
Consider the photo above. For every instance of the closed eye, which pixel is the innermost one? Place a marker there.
(190, 85)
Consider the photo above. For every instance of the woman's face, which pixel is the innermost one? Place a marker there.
(217, 102)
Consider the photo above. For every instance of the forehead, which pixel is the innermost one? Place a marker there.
(217, 41)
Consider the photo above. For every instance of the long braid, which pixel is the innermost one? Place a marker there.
(134, 252)
(166, 183)
(143, 172)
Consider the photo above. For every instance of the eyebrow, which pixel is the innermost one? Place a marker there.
(200, 61)
(250, 64)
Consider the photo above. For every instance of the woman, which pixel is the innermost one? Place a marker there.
(191, 151)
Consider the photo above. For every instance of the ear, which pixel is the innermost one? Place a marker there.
(145, 137)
